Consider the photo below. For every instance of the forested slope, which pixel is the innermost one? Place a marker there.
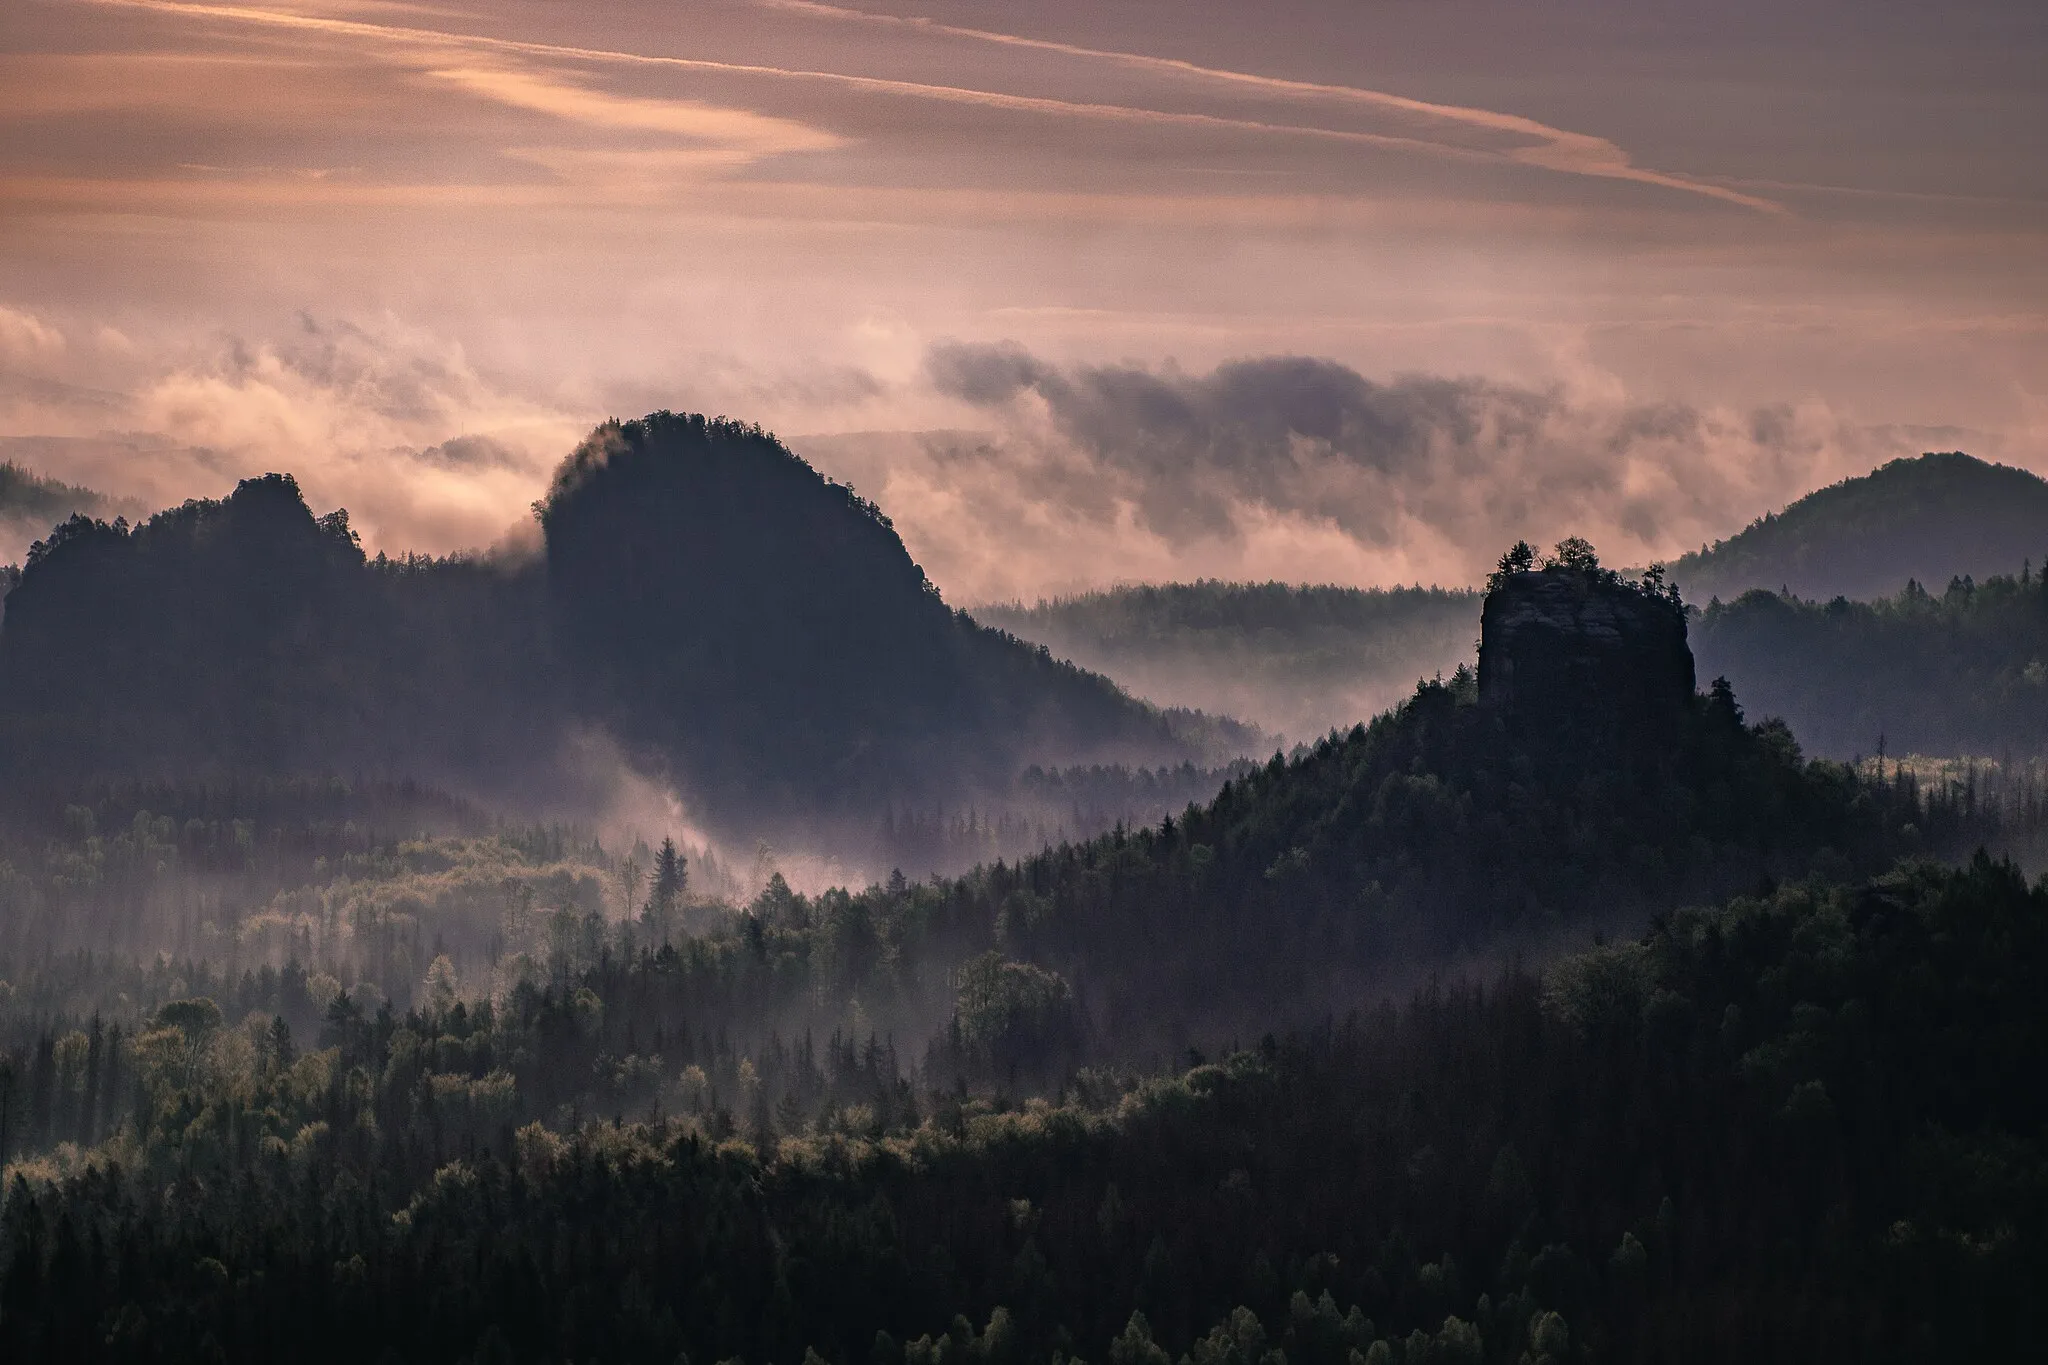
(31, 503)
(1950, 665)
(1800, 1128)
(1961, 671)
(1456, 825)
(1933, 518)
(1446, 825)
(1302, 659)
(765, 631)
(736, 623)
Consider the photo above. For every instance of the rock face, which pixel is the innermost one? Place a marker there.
(1582, 651)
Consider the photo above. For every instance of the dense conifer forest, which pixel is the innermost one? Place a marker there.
(1560, 1012)
(1799, 1127)
(1950, 670)
(1134, 826)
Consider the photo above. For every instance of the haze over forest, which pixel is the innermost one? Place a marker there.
(1162, 682)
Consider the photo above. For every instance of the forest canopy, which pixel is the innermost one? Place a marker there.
(1961, 671)
(1197, 1065)
(1764, 1131)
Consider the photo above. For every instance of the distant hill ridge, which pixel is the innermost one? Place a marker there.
(1301, 659)
(31, 503)
(1298, 659)
(28, 496)
(1930, 518)
(725, 613)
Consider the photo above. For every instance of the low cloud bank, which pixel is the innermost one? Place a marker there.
(396, 424)
(429, 448)
(1010, 475)
(1302, 468)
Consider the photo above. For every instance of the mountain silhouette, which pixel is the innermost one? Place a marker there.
(1933, 518)
(763, 629)
(734, 620)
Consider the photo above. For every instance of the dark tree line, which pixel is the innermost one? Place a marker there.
(1798, 1128)
(1961, 670)
(1442, 833)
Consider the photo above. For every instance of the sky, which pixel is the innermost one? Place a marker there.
(1318, 290)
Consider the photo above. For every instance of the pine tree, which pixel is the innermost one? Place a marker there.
(89, 1097)
(671, 878)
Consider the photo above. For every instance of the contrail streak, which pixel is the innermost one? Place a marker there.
(1571, 152)
(1558, 149)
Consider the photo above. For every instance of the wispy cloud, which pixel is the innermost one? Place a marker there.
(363, 415)
(1544, 146)
(517, 80)
(514, 199)
(1557, 149)
(24, 336)
(739, 130)
(1303, 468)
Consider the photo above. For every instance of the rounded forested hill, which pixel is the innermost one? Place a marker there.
(761, 628)
(733, 619)
(1932, 518)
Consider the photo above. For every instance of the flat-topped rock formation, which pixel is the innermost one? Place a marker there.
(1582, 648)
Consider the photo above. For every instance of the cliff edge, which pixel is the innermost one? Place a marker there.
(1577, 647)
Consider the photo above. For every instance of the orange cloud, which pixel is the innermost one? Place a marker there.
(740, 131)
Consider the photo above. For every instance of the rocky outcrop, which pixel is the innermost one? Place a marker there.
(1581, 651)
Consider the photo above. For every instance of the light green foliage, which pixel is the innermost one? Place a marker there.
(1550, 1340)
(1135, 1346)
(195, 1018)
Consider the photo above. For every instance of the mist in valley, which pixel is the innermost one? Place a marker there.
(699, 808)
(766, 683)
(1297, 661)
